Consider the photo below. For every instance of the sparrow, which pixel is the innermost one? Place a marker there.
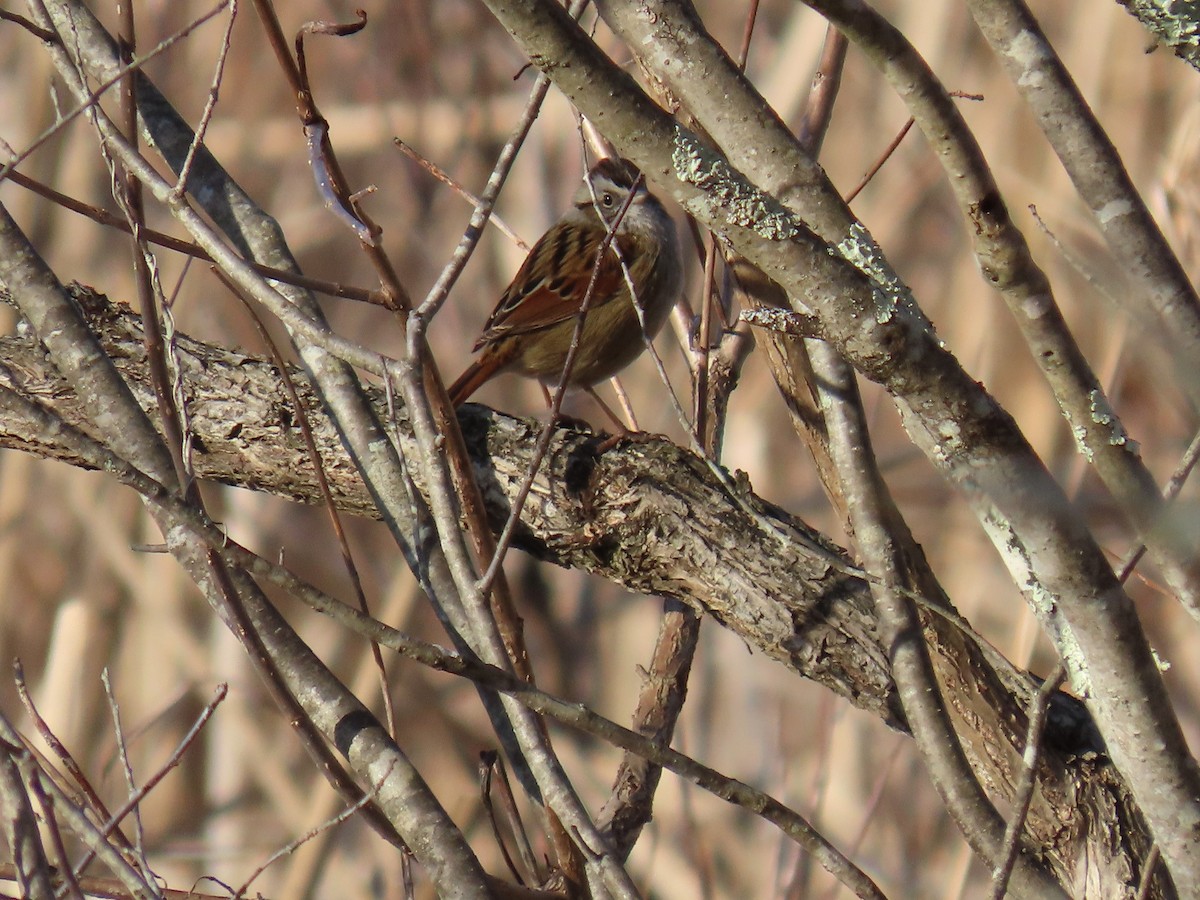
(530, 330)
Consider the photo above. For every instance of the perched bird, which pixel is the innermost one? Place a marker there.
(530, 330)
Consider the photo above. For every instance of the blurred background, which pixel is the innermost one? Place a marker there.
(76, 598)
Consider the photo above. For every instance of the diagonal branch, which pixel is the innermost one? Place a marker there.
(871, 317)
(653, 517)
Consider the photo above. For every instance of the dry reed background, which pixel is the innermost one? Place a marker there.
(75, 597)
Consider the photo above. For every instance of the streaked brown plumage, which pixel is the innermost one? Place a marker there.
(530, 330)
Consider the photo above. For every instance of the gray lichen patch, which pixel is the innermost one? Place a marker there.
(860, 250)
(728, 193)
(1105, 416)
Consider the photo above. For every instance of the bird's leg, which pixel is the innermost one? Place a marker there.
(622, 431)
(626, 406)
(560, 419)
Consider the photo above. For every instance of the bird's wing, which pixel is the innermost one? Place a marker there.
(551, 284)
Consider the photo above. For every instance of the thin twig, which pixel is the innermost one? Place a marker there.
(76, 820)
(139, 832)
(826, 85)
(1023, 795)
(18, 823)
(1146, 883)
(883, 158)
(190, 249)
(747, 33)
(1179, 477)
(624, 402)
(132, 802)
(55, 831)
(158, 322)
(294, 845)
(33, 28)
(474, 199)
(74, 771)
(702, 348)
(210, 105)
(327, 172)
(94, 97)
(489, 764)
(335, 518)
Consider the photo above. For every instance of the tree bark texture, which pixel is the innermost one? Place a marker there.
(657, 519)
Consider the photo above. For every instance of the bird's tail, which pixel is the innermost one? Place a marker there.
(476, 374)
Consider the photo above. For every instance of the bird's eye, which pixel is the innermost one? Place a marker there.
(607, 199)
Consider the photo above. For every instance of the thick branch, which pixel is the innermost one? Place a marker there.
(870, 316)
(654, 518)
